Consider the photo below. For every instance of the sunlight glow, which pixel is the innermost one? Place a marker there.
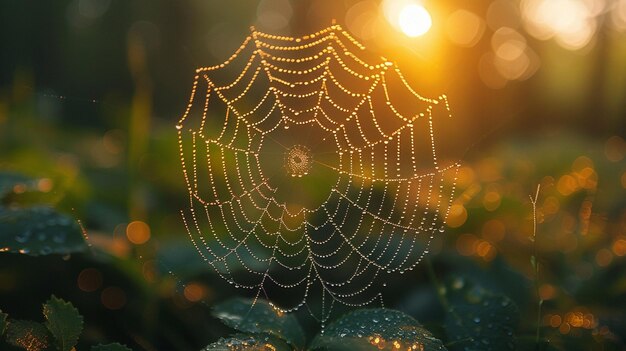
(408, 16)
(415, 20)
(573, 28)
(465, 28)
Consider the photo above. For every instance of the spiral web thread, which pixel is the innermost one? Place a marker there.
(388, 192)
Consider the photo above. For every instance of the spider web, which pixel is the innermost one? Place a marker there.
(311, 169)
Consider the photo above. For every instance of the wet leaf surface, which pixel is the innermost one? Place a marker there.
(260, 317)
(479, 319)
(39, 231)
(28, 335)
(367, 329)
(240, 342)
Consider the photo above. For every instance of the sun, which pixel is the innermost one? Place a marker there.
(408, 16)
(414, 20)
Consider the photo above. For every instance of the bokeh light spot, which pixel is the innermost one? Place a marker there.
(567, 185)
(491, 200)
(485, 250)
(547, 291)
(503, 13)
(45, 185)
(604, 257)
(571, 23)
(555, 321)
(464, 28)
(619, 247)
(457, 216)
(194, 292)
(89, 280)
(615, 149)
(138, 232)
(618, 15)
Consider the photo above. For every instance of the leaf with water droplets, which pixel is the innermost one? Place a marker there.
(3, 322)
(110, 347)
(366, 329)
(28, 335)
(39, 231)
(257, 342)
(64, 322)
(260, 317)
(479, 319)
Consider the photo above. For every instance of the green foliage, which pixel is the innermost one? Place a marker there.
(64, 322)
(60, 332)
(249, 342)
(110, 347)
(37, 230)
(383, 328)
(260, 317)
(362, 329)
(28, 335)
(478, 319)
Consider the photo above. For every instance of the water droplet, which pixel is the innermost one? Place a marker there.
(476, 320)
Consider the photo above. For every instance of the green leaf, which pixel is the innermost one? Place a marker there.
(39, 231)
(3, 322)
(64, 322)
(110, 347)
(242, 342)
(31, 336)
(479, 319)
(367, 329)
(260, 317)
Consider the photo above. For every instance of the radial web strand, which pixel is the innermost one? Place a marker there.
(312, 170)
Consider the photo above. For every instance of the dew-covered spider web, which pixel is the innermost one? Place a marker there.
(312, 170)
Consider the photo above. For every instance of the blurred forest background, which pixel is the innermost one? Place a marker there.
(90, 92)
